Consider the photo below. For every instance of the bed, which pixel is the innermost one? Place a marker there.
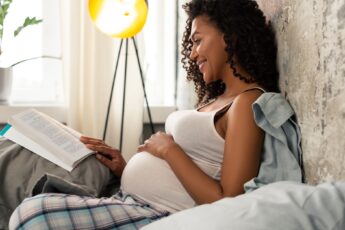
(267, 204)
(282, 205)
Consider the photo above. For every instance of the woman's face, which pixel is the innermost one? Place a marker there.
(208, 49)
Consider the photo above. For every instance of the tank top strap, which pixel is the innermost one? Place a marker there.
(256, 87)
(202, 106)
(250, 89)
(225, 108)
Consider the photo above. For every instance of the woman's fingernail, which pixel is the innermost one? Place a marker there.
(98, 156)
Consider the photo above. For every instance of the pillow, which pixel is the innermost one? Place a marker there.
(280, 205)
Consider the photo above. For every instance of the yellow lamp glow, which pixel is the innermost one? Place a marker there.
(118, 18)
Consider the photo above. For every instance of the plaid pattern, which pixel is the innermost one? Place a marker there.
(62, 211)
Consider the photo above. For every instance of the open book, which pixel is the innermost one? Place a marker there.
(46, 137)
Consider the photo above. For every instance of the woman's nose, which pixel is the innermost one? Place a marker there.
(193, 54)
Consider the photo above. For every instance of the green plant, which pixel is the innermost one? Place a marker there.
(4, 6)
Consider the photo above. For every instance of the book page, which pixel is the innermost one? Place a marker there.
(42, 130)
(66, 128)
(17, 137)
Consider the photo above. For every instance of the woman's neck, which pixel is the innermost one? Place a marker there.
(235, 86)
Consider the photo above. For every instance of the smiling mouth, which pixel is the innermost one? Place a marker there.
(201, 64)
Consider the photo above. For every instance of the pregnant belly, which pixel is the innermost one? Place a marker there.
(152, 180)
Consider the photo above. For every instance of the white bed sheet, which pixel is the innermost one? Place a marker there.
(281, 205)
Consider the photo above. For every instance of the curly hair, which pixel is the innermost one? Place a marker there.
(248, 38)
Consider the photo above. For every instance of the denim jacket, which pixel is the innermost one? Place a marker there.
(282, 154)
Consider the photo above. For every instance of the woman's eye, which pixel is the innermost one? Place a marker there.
(196, 41)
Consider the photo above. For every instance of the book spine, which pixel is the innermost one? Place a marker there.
(5, 129)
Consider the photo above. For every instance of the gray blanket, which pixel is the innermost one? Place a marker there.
(24, 174)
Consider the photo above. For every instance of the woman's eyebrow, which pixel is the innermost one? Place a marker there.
(193, 34)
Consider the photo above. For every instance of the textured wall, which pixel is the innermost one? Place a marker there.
(311, 47)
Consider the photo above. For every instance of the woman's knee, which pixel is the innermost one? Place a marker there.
(28, 215)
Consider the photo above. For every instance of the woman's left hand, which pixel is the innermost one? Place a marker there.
(110, 157)
(159, 144)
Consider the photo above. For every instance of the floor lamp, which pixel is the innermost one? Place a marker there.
(121, 19)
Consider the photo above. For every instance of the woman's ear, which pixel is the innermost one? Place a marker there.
(223, 41)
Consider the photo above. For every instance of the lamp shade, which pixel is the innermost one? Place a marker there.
(118, 18)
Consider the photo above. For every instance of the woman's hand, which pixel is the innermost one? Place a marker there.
(159, 144)
(110, 157)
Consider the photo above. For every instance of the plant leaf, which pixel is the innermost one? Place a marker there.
(4, 9)
(27, 22)
(4, 5)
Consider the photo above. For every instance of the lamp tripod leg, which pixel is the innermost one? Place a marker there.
(124, 96)
(143, 86)
(124, 92)
(111, 92)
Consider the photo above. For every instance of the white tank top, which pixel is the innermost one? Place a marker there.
(152, 180)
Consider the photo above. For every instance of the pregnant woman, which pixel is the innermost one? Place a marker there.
(206, 154)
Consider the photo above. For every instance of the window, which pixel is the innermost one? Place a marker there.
(160, 53)
(39, 80)
(186, 96)
(165, 77)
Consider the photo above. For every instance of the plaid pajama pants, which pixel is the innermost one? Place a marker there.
(62, 211)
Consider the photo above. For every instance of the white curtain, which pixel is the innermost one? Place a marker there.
(89, 62)
(186, 96)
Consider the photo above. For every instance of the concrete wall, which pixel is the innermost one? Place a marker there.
(311, 41)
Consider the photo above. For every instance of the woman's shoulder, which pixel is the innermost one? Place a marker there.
(242, 106)
(247, 98)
